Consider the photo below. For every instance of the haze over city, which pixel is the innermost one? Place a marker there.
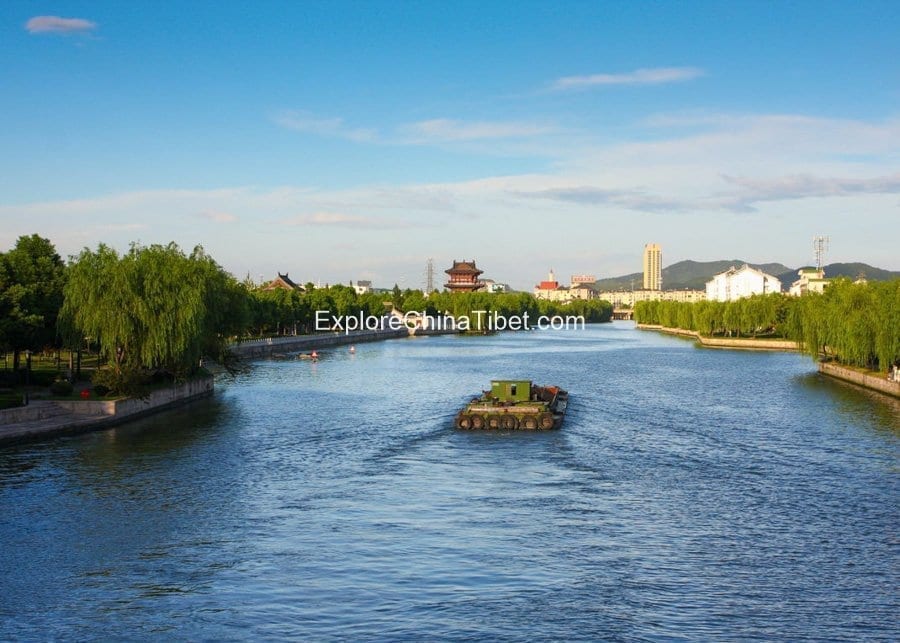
(343, 141)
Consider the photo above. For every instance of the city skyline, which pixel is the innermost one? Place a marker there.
(349, 141)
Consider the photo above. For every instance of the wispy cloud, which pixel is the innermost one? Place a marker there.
(301, 121)
(630, 199)
(432, 131)
(656, 76)
(446, 130)
(342, 220)
(57, 25)
(121, 227)
(803, 186)
(217, 216)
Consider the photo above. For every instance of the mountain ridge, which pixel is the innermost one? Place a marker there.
(693, 275)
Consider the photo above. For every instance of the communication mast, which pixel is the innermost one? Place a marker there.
(429, 276)
(820, 245)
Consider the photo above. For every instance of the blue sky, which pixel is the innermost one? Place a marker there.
(353, 140)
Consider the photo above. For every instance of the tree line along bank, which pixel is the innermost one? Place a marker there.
(857, 324)
(153, 312)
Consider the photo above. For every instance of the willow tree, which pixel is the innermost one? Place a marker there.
(154, 308)
(885, 312)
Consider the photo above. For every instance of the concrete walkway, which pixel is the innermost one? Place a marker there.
(43, 419)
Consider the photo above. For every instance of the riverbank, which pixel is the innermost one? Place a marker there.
(861, 377)
(256, 348)
(44, 419)
(739, 343)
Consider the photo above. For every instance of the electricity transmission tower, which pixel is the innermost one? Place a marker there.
(820, 245)
(429, 276)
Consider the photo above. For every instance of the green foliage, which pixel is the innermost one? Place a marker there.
(513, 305)
(855, 323)
(153, 308)
(131, 380)
(32, 277)
(752, 316)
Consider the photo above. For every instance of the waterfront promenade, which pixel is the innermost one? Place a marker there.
(257, 348)
(43, 419)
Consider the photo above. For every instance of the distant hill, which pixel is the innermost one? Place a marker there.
(850, 270)
(695, 274)
(688, 274)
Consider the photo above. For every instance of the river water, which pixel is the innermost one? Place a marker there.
(692, 494)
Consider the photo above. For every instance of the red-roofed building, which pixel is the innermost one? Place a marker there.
(464, 277)
(548, 289)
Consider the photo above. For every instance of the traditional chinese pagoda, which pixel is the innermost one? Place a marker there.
(464, 277)
(282, 282)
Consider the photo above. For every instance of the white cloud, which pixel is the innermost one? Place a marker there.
(217, 216)
(797, 175)
(353, 221)
(446, 130)
(656, 76)
(753, 191)
(432, 131)
(121, 227)
(57, 25)
(301, 121)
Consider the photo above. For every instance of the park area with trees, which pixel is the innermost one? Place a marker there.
(152, 314)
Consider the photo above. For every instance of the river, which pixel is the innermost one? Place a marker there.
(692, 494)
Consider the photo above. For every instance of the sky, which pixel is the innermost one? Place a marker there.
(339, 141)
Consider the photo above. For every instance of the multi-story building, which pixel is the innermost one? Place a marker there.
(628, 298)
(464, 277)
(492, 286)
(736, 283)
(551, 289)
(652, 267)
(811, 280)
(548, 289)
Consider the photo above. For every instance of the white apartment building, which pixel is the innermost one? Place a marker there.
(736, 283)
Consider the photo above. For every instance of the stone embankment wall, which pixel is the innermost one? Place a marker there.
(46, 418)
(868, 379)
(268, 347)
(727, 342)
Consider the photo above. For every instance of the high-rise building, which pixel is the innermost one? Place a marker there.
(652, 267)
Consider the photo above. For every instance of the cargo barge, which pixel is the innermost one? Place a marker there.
(515, 404)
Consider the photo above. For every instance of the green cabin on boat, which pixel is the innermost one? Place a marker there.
(511, 390)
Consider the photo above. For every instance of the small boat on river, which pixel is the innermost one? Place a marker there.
(515, 404)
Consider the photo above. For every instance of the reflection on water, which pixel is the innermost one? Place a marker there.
(691, 494)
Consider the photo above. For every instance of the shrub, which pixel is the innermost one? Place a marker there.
(61, 388)
(129, 381)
